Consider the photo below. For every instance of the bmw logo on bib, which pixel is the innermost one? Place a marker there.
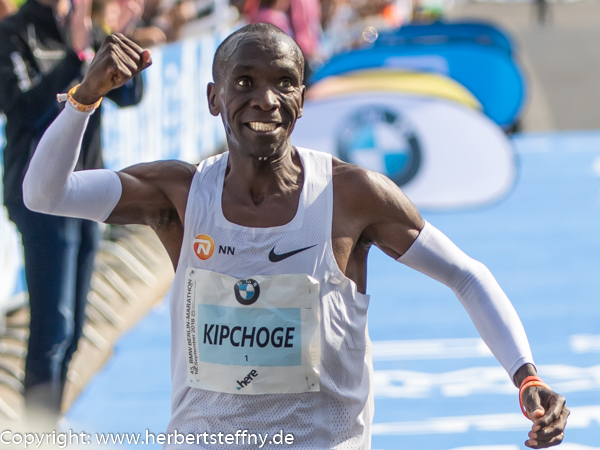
(380, 139)
(246, 291)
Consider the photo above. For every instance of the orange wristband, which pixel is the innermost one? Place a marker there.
(74, 103)
(527, 383)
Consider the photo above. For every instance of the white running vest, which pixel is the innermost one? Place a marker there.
(339, 414)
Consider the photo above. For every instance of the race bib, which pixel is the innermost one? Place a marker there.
(258, 335)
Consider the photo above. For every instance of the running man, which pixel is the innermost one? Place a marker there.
(270, 243)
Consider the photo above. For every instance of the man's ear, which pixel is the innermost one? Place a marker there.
(302, 101)
(213, 104)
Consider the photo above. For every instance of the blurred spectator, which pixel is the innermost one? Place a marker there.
(45, 50)
(542, 11)
(163, 23)
(273, 12)
(355, 23)
(117, 16)
(7, 7)
(301, 19)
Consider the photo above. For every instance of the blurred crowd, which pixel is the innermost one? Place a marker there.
(320, 27)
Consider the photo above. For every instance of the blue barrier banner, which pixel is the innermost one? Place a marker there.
(12, 276)
(482, 33)
(173, 120)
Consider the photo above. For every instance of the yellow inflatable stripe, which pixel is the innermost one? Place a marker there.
(389, 80)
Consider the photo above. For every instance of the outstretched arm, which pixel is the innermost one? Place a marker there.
(433, 254)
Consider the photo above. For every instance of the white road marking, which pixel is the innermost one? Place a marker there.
(478, 380)
(585, 343)
(489, 447)
(563, 446)
(430, 349)
(581, 417)
(596, 166)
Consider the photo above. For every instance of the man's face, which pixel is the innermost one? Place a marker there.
(259, 94)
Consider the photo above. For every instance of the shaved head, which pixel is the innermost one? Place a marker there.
(276, 37)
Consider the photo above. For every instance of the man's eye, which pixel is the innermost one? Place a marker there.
(245, 82)
(286, 83)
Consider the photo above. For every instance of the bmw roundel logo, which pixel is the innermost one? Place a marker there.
(246, 291)
(379, 139)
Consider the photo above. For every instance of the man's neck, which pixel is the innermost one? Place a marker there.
(250, 179)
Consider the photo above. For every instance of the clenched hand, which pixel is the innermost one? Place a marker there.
(117, 61)
(549, 414)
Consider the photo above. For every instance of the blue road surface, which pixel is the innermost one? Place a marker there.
(436, 386)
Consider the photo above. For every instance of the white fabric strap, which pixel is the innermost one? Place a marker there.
(436, 256)
(50, 185)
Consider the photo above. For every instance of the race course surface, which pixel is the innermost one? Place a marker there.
(437, 387)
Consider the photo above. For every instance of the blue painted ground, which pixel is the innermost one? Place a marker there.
(542, 242)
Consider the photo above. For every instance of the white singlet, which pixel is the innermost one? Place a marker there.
(332, 410)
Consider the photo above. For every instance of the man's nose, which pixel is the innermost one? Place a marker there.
(266, 99)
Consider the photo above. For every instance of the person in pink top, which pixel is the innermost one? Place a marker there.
(299, 19)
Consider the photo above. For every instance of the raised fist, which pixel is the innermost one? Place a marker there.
(117, 61)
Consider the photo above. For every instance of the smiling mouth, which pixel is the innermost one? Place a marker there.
(263, 126)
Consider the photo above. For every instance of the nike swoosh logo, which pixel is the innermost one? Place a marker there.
(274, 257)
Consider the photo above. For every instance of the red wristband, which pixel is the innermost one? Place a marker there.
(527, 383)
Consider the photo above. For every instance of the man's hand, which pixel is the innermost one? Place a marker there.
(117, 61)
(549, 414)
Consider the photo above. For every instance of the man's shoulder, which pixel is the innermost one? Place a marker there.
(356, 186)
(366, 193)
(355, 179)
(166, 171)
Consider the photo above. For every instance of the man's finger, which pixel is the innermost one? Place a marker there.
(535, 443)
(538, 413)
(140, 56)
(146, 59)
(127, 66)
(129, 43)
(135, 56)
(123, 75)
(556, 428)
(553, 409)
(126, 59)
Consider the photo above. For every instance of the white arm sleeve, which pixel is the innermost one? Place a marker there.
(436, 256)
(50, 185)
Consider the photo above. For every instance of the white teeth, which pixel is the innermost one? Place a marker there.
(262, 126)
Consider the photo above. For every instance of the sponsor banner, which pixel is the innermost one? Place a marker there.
(424, 84)
(443, 155)
(493, 77)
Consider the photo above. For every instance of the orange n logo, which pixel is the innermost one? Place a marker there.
(204, 246)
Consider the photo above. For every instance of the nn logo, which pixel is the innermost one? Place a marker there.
(204, 247)
(247, 380)
(226, 249)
